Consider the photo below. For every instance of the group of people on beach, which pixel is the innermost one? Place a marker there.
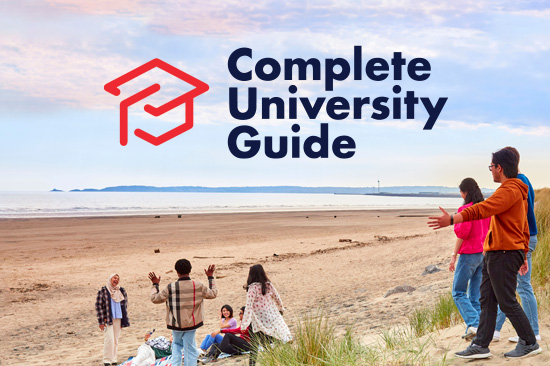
(261, 321)
(495, 240)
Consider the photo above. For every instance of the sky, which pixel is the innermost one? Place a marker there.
(60, 128)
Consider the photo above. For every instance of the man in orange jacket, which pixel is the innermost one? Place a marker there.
(505, 247)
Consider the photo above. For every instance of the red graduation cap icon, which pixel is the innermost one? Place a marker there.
(187, 98)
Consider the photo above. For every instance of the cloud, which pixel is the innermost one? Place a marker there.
(232, 17)
(527, 130)
(534, 13)
(70, 72)
(57, 72)
(100, 7)
(74, 76)
(461, 125)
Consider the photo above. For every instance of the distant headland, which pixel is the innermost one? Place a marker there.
(401, 191)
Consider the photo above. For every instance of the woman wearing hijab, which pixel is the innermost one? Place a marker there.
(112, 314)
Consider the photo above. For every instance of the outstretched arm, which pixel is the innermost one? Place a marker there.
(438, 222)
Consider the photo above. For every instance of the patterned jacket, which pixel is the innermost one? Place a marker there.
(103, 307)
(183, 300)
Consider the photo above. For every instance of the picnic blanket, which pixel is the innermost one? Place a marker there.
(165, 361)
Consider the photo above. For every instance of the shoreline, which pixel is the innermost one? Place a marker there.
(221, 212)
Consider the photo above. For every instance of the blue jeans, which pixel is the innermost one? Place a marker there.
(209, 340)
(466, 283)
(184, 340)
(525, 292)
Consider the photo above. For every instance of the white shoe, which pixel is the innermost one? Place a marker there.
(470, 334)
(496, 336)
(516, 338)
(201, 352)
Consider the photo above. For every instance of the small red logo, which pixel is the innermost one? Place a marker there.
(200, 88)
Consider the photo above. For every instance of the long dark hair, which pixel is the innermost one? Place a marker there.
(228, 308)
(473, 193)
(257, 274)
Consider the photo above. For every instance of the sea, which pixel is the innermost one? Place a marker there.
(90, 204)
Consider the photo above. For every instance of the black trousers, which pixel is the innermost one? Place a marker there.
(258, 339)
(230, 344)
(498, 287)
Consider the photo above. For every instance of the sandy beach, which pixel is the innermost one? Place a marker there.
(340, 262)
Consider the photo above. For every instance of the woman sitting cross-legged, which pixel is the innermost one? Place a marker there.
(226, 322)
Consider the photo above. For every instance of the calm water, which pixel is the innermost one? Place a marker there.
(71, 204)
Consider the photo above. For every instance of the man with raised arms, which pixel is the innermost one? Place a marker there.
(505, 247)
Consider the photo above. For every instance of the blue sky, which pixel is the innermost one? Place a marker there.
(59, 128)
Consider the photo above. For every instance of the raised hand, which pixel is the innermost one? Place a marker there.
(153, 277)
(210, 271)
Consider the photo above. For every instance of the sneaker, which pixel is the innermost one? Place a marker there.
(523, 350)
(201, 352)
(496, 336)
(515, 339)
(474, 351)
(207, 360)
(470, 334)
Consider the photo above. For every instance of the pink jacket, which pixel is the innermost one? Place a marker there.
(473, 233)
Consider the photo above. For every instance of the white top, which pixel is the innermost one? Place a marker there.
(262, 311)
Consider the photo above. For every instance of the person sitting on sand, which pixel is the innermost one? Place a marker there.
(235, 341)
(264, 310)
(469, 244)
(226, 322)
(151, 350)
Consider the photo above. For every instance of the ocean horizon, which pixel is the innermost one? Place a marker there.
(94, 204)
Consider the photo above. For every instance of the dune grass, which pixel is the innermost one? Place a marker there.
(315, 343)
(442, 314)
(540, 274)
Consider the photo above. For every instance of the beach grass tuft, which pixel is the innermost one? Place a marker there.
(442, 314)
(316, 343)
(540, 274)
